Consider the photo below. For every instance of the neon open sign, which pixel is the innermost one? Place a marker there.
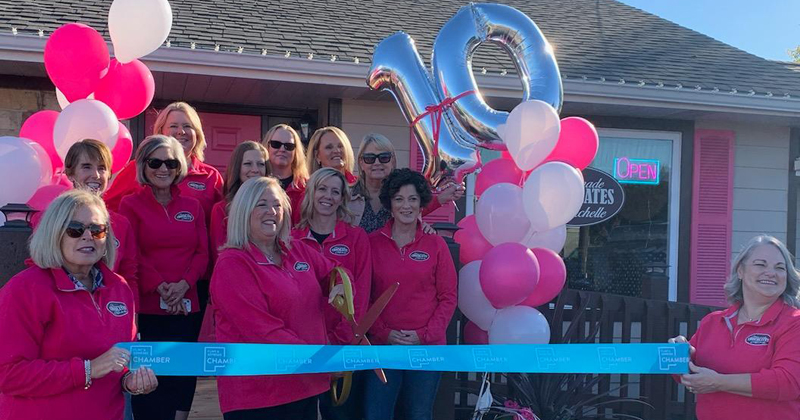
(637, 171)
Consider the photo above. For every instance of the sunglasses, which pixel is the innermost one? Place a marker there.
(369, 158)
(156, 163)
(275, 144)
(76, 229)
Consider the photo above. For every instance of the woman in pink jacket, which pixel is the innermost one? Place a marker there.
(173, 254)
(60, 319)
(269, 288)
(424, 303)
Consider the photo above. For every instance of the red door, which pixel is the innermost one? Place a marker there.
(223, 132)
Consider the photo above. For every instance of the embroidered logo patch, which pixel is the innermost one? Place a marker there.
(117, 308)
(340, 250)
(301, 266)
(184, 216)
(419, 256)
(116, 243)
(199, 186)
(757, 339)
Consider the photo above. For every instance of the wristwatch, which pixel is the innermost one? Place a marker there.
(87, 367)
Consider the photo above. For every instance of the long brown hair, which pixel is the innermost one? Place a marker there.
(232, 179)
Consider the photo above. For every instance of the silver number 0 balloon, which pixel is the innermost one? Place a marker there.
(470, 122)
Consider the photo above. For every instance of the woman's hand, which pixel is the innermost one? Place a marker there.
(163, 290)
(177, 309)
(337, 290)
(176, 292)
(701, 380)
(403, 337)
(681, 339)
(113, 360)
(427, 229)
(452, 192)
(411, 337)
(142, 381)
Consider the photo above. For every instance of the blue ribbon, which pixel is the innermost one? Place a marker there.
(223, 359)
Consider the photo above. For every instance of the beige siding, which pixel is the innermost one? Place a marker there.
(760, 183)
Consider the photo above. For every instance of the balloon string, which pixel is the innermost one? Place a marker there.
(436, 112)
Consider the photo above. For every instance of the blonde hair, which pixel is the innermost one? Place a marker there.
(381, 143)
(307, 206)
(314, 143)
(733, 287)
(243, 204)
(299, 168)
(45, 243)
(199, 148)
(152, 143)
(93, 149)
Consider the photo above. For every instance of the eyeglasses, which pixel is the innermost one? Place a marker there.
(275, 144)
(369, 158)
(156, 163)
(76, 229)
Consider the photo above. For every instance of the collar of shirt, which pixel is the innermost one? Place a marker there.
(97, 280)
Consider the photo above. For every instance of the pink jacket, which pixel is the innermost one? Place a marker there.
(257, 301)
(349, 246)
(427, 296)
(218, 230)
(769, 350)
(48, 328)
(173, 244)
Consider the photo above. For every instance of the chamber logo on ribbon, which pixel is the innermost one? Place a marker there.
(484, 358)
(290, 361)
(418, 358)
(609, 359)
(547, 359)
(668, 357)
(214, 358)
(354, 359)
(143, 356)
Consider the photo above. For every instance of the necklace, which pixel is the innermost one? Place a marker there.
(747, 318)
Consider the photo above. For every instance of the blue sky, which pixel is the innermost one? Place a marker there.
(766, 28)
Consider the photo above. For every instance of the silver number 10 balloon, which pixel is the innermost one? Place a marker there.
(470, 122)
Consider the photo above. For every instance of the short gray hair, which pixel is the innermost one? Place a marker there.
(45, 243)
(152, 143)
(733, 287)
(243, 204)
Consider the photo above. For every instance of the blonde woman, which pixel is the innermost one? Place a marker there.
(329, 147)
(288, 164)
(267, 288)
(60, 319)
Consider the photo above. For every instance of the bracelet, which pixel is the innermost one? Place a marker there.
(124, 386)
(87, 368)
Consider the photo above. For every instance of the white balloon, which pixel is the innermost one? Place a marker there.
(471, 300)
(500, 215)
(85, 119)
(531, 133)
(63, 101)
(20, 170)
(138, 27)
(552, 195)
(519, 325)
(553, 239)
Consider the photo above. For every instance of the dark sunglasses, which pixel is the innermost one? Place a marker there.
(156, 163)
(369, 158)
(275, 144)
(76, 229)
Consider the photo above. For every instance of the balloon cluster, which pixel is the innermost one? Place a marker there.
(94, 91)
(510, 245)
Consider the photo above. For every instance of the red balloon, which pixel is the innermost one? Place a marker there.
(577, 143)
(121, 153)
(127, 89)
(552, 276)
(472, 244)
(76, 58)
(473, 334)
(45, 195)
(39, 128)
(509, 273)
(497, 171)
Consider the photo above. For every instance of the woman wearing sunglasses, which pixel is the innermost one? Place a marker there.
(376, 160)
(173, 242)
(248, 160)
(60, 319)
(325, 226)
(287, 161)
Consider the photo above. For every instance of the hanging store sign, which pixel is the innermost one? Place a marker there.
(603, 198)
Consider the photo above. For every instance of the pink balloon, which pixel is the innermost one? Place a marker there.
(76, 58)
(45, 195)
(577, 143)
(61, 179)
(474, 335)
(39, 128)
(497, 171)
(121, 153)
(552, 276)
(509, 273)
(127, 89)
(473, 245)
